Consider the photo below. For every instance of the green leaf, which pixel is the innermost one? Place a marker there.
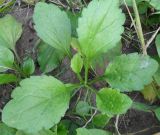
(82, 108)
(149, 93)
(143, 107)
(49, 58)
(62, 130)
(157, 76)
(2, 2)
(155, 4)
(74, 21)
(84, 131)
(131, 72)
(100, 120)
(10, 31)
(7, 78)
(42, 132)
(38, 103)
(77, 63)
(102, 60)
(75, 44)
(157, 112)
(143, 7)
(28, 66)
(6, 59)
(69, 125)
(157, 42)
(129, 2)
(112, 102)
(53, 26)
(5, 130)
(96, 37)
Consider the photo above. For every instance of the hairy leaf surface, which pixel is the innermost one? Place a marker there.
(112, 102)
(131, 72)
(38, 103)
(53, 26)
(100, 27)
(10, 31)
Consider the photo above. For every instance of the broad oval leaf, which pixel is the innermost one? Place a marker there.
(100, 27)
(10, 31)
(77, 63)
(53, 26)
(84, 131)
(38, 103)
(5, 130)
(7, 78)
(6, 59)
(112, 102)
(130, 72)
(49, 58)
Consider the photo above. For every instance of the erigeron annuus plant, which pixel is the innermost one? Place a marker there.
(39, 102)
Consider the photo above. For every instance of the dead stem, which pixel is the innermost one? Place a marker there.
(90, 119)
(116, 124)
(139, 27)
(152, 38)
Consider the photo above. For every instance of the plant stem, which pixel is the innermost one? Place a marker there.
(90, 88)
(86, 95)
(130, 15)
(97, 79)
(17, 56)
(139, 27)
(18, 70)
(86, 73)
(69, 54)
(79, 77)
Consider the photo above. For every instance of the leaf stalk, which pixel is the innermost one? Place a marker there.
(139, 27)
